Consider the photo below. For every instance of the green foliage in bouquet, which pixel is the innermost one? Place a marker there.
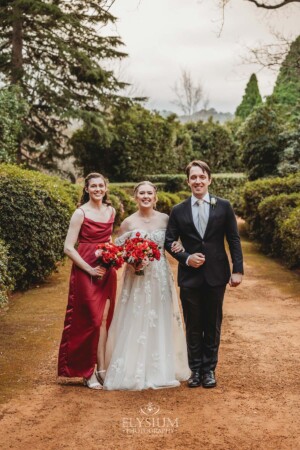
(35, 210)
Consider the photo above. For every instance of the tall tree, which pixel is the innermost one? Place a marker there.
(136, 142)
(213, 143)
(251, 98)
(286, 93)
(188, 93)
(12, 113)
(54, 51)
(260, 142)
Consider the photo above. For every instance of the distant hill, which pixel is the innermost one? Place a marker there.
(203, 114)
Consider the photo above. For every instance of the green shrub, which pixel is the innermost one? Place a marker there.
(5, 279)
(127, 201)
(166, 201)
(35, 211)
(175, 184)
(230, 186)
(183, 195)
(120, 212)
(256, 191)
(225, 185)
(169, 182)
(290, 237)
(273, 211)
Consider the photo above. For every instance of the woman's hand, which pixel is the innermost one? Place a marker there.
(177, 247)
(97, 271)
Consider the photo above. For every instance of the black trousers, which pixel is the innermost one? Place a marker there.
(203, 313)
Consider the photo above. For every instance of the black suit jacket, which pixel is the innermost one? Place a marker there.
(221, 223)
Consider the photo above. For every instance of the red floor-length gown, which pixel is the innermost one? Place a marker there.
(86, 302)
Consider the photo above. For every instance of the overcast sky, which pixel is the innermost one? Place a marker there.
(164, 36)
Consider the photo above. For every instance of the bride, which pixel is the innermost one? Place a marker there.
(146, 345)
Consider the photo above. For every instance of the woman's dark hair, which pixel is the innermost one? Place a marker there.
(85, 196)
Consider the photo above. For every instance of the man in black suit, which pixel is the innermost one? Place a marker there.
(202, 222)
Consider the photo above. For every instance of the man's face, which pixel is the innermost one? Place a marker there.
(198, 181)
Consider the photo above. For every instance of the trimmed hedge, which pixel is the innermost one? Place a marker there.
(273, 212)
(256, 191)
(225, 185)
(120, 211)
(126, 199)
(125, 204)
(231, 187)
(166, 201)
(5, 279)
(290, 237)
(35, 211)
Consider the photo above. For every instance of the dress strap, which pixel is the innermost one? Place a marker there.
(82, 211)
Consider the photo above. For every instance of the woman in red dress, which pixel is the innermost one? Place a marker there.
(92, 288)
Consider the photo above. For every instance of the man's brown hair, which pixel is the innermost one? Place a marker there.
(205, 167)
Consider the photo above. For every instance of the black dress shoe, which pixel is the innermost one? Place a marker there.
(195, 379)
(209, 380)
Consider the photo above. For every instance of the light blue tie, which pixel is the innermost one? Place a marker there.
(202, 219)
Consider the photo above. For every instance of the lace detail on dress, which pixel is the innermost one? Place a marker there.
(146, 343)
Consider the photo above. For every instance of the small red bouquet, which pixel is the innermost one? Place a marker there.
(139, 251)
(110, 255)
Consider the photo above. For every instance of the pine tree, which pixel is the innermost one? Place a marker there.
(251, 98)
(259, 138)
(286, 94)
(55, 52)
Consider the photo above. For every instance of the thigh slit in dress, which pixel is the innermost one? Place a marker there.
(86, 303)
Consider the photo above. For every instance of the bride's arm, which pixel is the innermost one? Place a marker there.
(124, 229)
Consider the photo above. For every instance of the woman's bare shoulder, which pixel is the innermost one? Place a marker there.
(163, 218)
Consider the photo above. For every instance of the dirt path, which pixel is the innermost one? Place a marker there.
(255, 406)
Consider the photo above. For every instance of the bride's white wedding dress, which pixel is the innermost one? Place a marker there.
(146, 345)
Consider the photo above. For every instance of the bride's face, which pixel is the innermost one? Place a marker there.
(145, 196)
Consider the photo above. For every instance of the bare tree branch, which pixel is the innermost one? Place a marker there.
(271, 56)
(188, 94)
(264, 5)
(273, 6)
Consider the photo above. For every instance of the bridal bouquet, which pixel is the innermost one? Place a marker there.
(139, 251)
(110, 255)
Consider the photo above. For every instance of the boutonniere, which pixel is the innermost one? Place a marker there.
(213, 202)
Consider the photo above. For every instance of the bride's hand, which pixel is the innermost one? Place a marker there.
(177, 247)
